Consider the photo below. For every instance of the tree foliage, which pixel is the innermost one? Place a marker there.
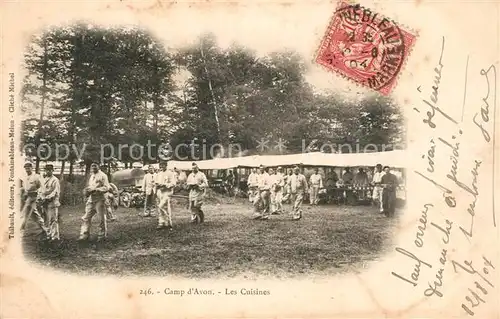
(117, 86)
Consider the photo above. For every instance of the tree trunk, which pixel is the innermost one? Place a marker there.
(77, 89)
(87, 168)
(71, 168)
(216, 110)
(37, 165)
(42, 104)
(155, 116)
(61, 176)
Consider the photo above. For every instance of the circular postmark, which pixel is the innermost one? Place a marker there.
(365, 46)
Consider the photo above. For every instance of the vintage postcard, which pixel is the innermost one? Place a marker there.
(249, 159)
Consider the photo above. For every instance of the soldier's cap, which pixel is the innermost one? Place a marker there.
(379, 165)
(279, 168)
(194, 164)
(163, 163)
(387, 167)
(296, 166)
(28, 164)
(49, 167)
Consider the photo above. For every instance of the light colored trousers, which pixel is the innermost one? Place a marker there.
(286, 195)
(253, 192)
(313, 200)
(377, 196)
(110, 206)
(52, 215)
(91, 208)
(276, 201)
(297, 199)
(164, 208)
(262, 198)
(149, 203)
(30, 211)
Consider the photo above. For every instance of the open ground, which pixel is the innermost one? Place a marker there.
(329, 239)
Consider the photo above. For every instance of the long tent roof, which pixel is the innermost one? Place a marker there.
(396, 159)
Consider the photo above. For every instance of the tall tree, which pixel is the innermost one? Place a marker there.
(98, 81)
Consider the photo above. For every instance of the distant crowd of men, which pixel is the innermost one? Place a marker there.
(268, 189)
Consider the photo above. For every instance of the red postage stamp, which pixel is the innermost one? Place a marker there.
(365, 46)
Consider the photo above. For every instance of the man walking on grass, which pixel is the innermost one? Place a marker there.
(149, 189)
(298, 187)
(110, 197)
(165, 183)
(278, 183)
(197, 183)
(261, 204)
(316, 182)
(286, 196)
(30, 187)
(111, 202)
(253, 184)
(377, 187)
(49, 199)
(97, 187)
(390, 184)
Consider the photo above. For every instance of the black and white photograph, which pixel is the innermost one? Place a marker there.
(327, 159)
(201, 160)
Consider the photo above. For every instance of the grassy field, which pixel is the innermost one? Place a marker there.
(327, 240)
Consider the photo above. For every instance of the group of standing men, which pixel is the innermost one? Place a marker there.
(268, 190)
(40, 201)
(159, 187)
(40, 198)
(384, 185)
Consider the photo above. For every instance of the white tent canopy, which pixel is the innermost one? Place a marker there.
(391, 158)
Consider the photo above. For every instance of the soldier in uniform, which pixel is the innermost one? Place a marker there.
(197, 183)
(49, 200)
(377, 187)
(261, 205)
(287, 195)
(278, 183)
(390, 184)
(298, 187)
(97, 186)
(149, 189)
(316, 182)
(165, 183)
(30, 187)
(111, 202)
(253, 183)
